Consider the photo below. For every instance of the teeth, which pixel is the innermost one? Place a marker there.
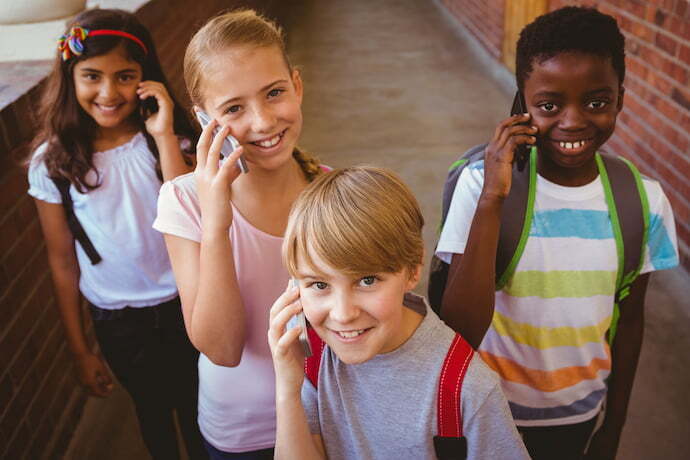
(572, 145)
(350, 334)
(269, 143)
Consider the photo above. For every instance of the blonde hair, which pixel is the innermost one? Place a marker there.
(243, 27)
(359, 220)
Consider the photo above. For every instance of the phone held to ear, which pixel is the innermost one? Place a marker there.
(300, 321)
(229, 143)
(149, 106)
(522, 151)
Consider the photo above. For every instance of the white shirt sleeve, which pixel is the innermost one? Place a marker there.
(462, 208)
(662, 245)
(41, 186)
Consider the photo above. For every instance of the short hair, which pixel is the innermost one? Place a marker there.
(569, 29)
(359, 220)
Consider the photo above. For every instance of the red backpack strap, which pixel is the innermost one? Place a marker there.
(450, 443)
(313, 363)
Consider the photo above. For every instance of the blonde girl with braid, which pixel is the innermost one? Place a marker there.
(224, 229)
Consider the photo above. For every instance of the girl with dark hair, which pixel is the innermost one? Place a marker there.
(109, 134)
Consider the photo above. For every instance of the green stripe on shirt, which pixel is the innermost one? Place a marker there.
(561, 283)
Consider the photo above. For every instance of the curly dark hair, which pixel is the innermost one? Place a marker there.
(64, 126)
(567, 29)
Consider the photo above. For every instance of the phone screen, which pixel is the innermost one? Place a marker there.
(522, 151)
(229, 143)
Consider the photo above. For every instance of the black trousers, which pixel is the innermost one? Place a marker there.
(562, 442)
(150, 354)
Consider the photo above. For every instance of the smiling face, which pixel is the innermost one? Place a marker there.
(574, 99)
(358, 317)
(106, 88)
(252, 91)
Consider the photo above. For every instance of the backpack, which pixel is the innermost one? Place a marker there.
(627, 204)
(449, 444)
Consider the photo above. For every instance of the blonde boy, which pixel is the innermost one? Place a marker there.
(354, 244)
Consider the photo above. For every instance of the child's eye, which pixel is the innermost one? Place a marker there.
(90, 76)
(233, 109)
(368, 281)
(275, 92)
(548, 106)
(597, 105)
(319, 285)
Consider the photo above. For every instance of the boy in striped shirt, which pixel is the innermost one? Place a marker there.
(545, 331)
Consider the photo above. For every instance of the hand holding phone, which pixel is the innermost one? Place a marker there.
(229, 143)
(300, 321)
(522, 151)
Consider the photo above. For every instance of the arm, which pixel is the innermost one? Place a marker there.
(205, 272)
(625, 353)
(468, 300)
(213, 312)
(293, 438)
(65, 273)
(160, 126)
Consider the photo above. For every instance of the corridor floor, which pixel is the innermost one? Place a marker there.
(392, 83)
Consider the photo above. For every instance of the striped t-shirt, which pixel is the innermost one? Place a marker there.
(547, 339)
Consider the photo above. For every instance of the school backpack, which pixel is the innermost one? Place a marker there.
(628, 209)
(449, 443)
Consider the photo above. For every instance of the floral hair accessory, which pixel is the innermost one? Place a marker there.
(72, 44)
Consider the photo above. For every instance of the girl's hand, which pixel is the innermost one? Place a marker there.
(499, 154)
(161, 122)
(288, 357)
(213, 180)
(94, 375)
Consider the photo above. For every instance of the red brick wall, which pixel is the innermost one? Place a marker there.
(40, 400)
(654, 127)
(483, 18)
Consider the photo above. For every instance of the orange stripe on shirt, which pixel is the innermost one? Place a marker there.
(555, 380)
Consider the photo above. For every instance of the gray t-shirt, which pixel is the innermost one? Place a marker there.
(385, 408)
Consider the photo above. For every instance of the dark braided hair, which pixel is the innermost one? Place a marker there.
(569, 29)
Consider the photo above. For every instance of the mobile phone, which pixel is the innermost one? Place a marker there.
(300, 321)
(522, 151)
(149, 106)
(229, 143)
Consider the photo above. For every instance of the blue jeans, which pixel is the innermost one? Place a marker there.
(215, 454)
(149, 352)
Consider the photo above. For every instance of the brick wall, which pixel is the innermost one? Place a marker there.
(40, 400)
(654, 128)
(483, 18)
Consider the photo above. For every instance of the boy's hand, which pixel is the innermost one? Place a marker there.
(288, 357)
(500, 153)
(94, 375)
(161, 122)
(213, 180)
(603, 446)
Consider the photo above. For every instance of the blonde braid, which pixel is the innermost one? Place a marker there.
(309, 164)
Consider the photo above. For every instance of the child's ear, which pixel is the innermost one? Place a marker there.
(297, 83)
(415, 276)
(621, 96)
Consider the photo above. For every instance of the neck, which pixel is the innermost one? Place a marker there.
(568, 177)
(281, 181)
(116, 135)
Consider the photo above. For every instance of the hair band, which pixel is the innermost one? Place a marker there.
(72, 44)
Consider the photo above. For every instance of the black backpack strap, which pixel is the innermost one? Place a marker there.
(473, 154)
(516, 219)
(450, 443)
(73, 223)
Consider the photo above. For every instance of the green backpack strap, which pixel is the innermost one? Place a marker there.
(516, 220)
(628, 207)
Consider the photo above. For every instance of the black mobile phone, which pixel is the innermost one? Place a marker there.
(522, 152)
(149, 106)
(229, 143)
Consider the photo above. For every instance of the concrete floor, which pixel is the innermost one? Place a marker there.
(392, 83)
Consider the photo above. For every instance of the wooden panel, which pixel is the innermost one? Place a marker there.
(518, 13)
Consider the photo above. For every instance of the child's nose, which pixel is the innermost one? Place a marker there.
(264, 119)
(344, 309)
(108, 88)
(572, 119)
